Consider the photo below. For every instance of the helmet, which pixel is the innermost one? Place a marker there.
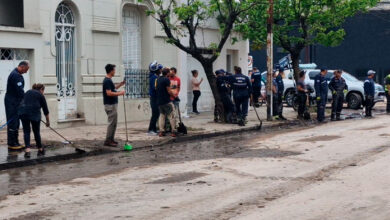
(370, 72)
(153, 67)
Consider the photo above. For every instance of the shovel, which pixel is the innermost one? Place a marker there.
(66, 140)
(261, 122)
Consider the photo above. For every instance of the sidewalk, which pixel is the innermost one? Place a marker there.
(91, 138)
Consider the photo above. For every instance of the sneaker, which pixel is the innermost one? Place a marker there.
(115, 142)
(152, 133)
(276, 118)
(110, 144)
(41, 152)
(27, 154)
(282, 117)
(173, 134)
(161, 134)
(15, 147)
(196, 113)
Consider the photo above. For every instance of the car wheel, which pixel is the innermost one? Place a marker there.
(354, 101)
(289, 98)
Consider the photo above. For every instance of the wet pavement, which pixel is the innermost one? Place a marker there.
(15, 181)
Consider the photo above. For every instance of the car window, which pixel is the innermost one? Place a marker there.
(313, 74)
(349, 77)
(329, 75)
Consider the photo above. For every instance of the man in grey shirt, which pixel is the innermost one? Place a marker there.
(110, 100)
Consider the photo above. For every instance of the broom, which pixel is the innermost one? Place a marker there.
(127, 146)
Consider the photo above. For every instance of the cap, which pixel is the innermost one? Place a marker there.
(370, 72)
(323, 68)
(281, 69)
(222, 71)
(218, 72)
(160, 66)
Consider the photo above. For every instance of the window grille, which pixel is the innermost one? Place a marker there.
(137, 83)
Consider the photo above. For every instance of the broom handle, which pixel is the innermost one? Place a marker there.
(124, 108)
(56, 132)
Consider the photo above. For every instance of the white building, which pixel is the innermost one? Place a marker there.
(69, 42)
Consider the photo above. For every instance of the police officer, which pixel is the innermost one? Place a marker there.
(387, 89)
(224, 92)
(275, 93)
(12, 100)
(280, 88)
(256, 86)
(321, 87)
(301, 94)
(369, 92)
(338, 86)
(242, 88)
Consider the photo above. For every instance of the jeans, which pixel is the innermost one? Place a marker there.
(27, 130)
(112, 114)
(167, 111)
(11, 111)
(155, 114)
(369, 104)
(337, 105)
(241, 103)
(195, 100)
(388, 102)
(280, 104)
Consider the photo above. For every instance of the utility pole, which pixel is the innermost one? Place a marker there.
(270, 58)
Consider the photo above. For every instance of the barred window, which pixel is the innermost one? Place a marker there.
(137, 83)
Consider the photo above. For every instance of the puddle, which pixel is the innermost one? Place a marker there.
(320, 138)
(180, 177)
(372, 128)
(35, 215)
(384, 135)
(263, 153)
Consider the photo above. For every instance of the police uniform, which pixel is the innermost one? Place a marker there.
(12, 100)
(242, 88)
(256, 87)
(337, 86)
(280, 88)
(369, 92)
(387, 83)
(275, 98)
(321, 87)
(224, 92)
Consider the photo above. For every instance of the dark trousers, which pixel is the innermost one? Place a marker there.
(241, 103)
(388, 102)
(337, 105)
(11, 111)
(228, 107)
(256, 94)
(195, 100)
(321, 109)
(275, 105)
(302, 97)
(280, 104)
(369, 105)
(27, 130)
(155, 114)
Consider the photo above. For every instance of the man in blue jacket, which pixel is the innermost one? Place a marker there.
(242, 88)
(369, 92)
(338, 86)
(12, 100)
(155, 70)
(321, 87)
(256, 86)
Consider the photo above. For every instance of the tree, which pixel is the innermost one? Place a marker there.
(183, 19)
(300, 23)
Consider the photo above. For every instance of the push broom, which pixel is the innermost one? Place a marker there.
(127, 146)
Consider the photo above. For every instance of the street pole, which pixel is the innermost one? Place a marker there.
(269, 59)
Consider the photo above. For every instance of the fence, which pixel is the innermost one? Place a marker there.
(137, 83)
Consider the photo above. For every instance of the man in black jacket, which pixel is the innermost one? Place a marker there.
(12, 100)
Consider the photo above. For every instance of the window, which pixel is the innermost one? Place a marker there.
(137, 83)
(313, 74)
(11, 13)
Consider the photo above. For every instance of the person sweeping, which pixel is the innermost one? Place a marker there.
(30, 114)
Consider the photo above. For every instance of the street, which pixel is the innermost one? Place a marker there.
(337, 170)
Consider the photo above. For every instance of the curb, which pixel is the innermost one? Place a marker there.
(101, 151)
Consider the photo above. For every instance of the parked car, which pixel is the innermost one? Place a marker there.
(289, 86)
(354, 97)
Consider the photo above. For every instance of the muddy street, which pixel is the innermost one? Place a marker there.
(317, 172)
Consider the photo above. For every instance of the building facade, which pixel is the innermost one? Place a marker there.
(69, 42)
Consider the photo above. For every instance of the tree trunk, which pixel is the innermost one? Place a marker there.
(219, 113)
(295, 64)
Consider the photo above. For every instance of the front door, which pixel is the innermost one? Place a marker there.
(65, 63)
